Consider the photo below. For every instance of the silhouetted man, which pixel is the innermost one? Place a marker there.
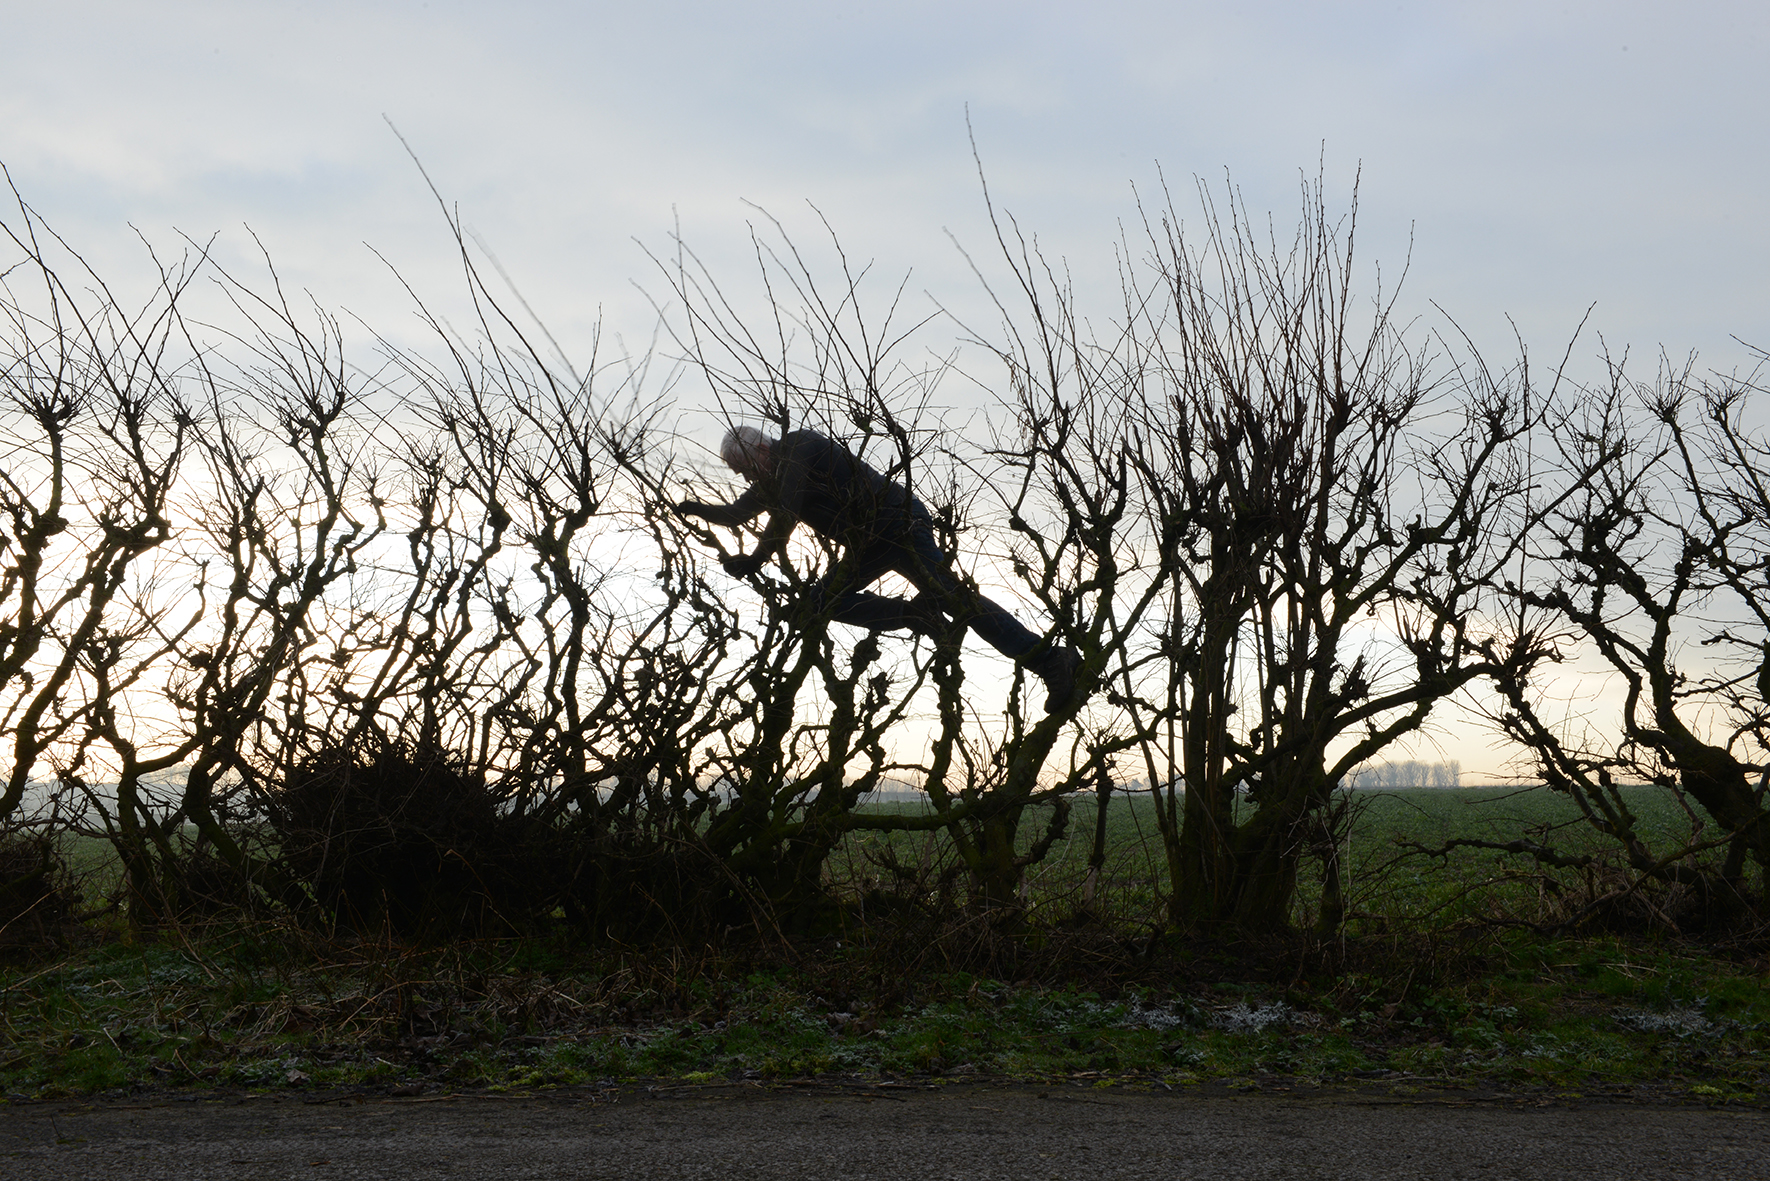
(805, 476)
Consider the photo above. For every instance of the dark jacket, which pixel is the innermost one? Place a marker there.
(817, 480)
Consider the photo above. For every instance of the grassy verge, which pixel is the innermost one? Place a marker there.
(1434, 982)
(1593, 1016)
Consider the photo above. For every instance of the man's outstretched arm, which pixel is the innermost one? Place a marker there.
(773, 537)
(745, 508)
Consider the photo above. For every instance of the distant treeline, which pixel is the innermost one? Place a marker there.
(1412, 773)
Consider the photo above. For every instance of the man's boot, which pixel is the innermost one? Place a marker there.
(1057, 668)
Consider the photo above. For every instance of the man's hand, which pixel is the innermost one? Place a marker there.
(743, 565)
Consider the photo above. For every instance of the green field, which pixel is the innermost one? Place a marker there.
(1383, 874)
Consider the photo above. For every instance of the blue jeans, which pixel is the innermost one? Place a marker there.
(914, 554)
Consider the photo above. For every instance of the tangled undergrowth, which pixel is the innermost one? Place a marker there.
(40, 901)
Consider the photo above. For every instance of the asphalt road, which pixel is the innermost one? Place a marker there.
(971, 1131)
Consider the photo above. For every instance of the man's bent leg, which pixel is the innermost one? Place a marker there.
(878, 613)
(994, 624)
(862, 608)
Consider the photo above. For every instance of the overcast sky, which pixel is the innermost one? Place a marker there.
(1543, 157)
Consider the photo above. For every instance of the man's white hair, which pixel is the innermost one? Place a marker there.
(742, 444)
